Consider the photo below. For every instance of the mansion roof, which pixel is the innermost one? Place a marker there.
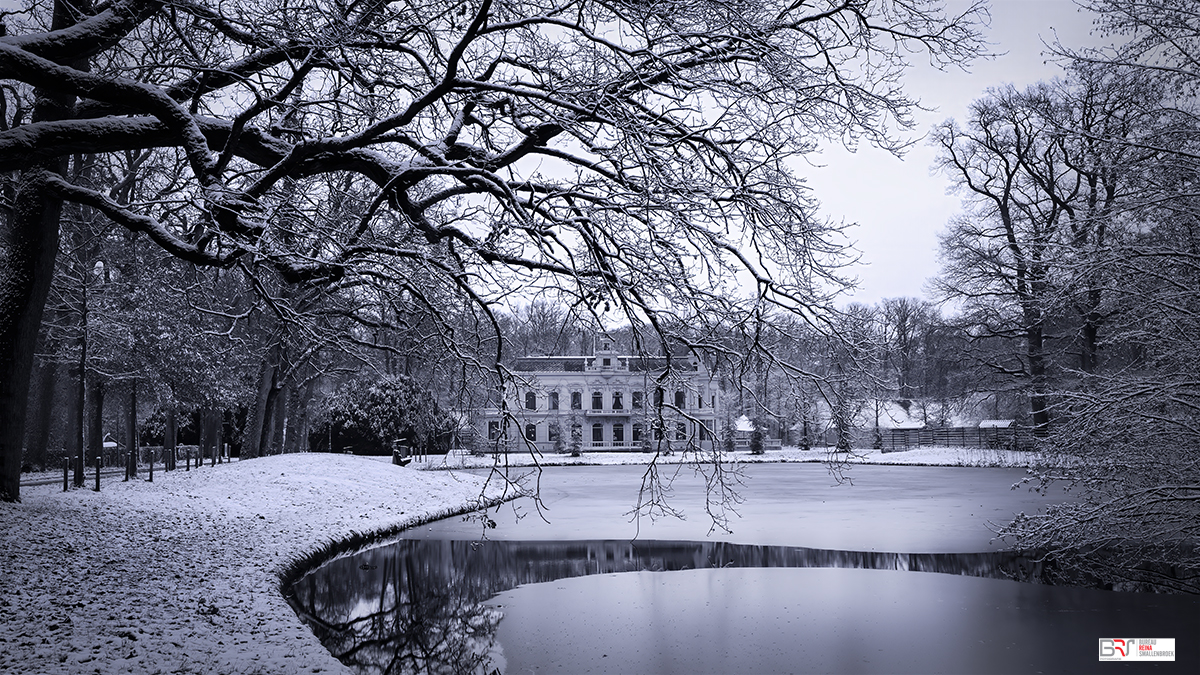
(618, 363)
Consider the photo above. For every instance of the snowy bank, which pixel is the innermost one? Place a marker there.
(924, 456)
(181, 575)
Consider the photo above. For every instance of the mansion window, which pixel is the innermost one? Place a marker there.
(618, 434)
(597, 434)
(616, 404)
(530, 400)
(552, 432)
(638, 433)
(493, 431)
(531, 432)
(680, 399)
(576, 400)
(681, 431)
(636, 401)
(597, 400)
(553, 400)
(706, 430)
(658, 397)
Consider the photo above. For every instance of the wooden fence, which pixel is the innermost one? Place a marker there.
(994, 438)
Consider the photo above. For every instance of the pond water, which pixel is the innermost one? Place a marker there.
(894, 573)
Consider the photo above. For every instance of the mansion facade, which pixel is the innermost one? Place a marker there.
(606, 401)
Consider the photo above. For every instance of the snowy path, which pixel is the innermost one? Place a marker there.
(180, 575)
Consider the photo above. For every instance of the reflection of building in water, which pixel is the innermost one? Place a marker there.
(608, 401)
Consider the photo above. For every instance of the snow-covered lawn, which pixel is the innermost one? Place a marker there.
(181, 575)
(926, 456)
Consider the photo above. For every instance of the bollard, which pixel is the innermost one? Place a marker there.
(97, 488)
(66, 471)
(151, 453)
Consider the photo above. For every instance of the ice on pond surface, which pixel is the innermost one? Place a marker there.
(534, 599)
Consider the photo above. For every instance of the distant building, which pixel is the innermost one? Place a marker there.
(612, 401)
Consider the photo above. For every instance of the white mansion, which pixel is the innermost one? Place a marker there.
(607, 401)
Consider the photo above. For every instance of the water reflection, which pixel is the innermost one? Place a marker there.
(417, 605)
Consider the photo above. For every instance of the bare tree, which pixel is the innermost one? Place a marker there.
(635, 155)
(1130, 441)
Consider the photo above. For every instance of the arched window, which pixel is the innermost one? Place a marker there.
(618, 435)
(597, 400)
(531, 432)
(576, 400)
(597, 434)
(636, 401)
(638, 433)
(530, 400)
(553, 400)
(680, 399)
(616, 404)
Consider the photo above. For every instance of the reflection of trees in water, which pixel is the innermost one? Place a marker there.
(416, 605)
(400, 611)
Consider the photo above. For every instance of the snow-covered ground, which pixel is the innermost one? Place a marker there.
(925, 456)
(181, 575)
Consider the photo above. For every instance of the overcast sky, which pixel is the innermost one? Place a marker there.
(900, 205)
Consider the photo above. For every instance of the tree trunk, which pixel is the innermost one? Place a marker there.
(300, 414)
(169, 440)
(296, 406)
(258, 427)
(205, 428)
(32, 245)
(131, 436)
(278, 411)
(39, 424)
(30, 249)
(219, 433)
(94, 438)
(1038, 401)
(73, 439)
(79, 442)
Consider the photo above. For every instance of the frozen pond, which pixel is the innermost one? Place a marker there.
(814, 578)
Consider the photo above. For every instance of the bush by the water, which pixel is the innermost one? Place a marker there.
(372, 417)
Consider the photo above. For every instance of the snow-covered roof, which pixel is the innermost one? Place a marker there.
(995, 424)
